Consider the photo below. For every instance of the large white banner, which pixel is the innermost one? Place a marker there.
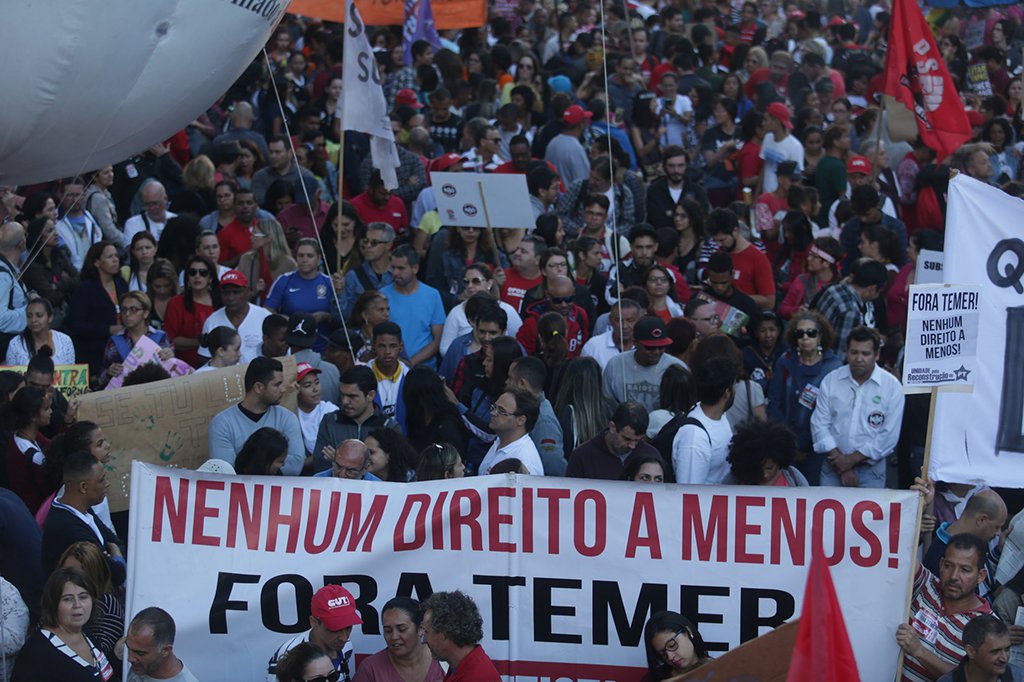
(566, 572)
(980, 436)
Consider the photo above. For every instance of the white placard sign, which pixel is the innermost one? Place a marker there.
(942, 336)
(482, 200)
(929, 267)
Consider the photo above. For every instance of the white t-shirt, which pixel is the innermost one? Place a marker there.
(251, 331)
(522, 449)
(698, 459)
(774, 153)
(138, 224)
(310, 422)
(673, 126)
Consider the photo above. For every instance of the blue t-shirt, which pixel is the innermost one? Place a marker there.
(291, 293)
(415, 313)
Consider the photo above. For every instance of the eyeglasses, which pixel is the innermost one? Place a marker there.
(527, 65)
(349, 472)
(806, 333)
(333, 676)
(197, 272)
(561, 299)
(473, 280)
(366, 241)
(558, 265)
(132, 309)
(672, 644)
(502, 412)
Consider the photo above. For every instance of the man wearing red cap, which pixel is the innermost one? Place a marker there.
(239, 314)
(778, 146)
(566, 152)
(333, 615)
(859, 172)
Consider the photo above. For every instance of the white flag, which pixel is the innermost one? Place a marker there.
(363, 106)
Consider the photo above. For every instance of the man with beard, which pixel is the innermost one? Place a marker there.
(332, 615)
(700, 449)
(668, 191)
(751, 270)
(628, 272)
(264, 388)
(941, 608)
(857, 416)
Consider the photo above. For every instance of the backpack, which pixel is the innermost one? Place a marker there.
(663, 441)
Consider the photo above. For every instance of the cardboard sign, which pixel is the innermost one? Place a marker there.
(482, 200)
(166, 422)
(929, 267)
(765, 659)
(71, 380)
(942, 336)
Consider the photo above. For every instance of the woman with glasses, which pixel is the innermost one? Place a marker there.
(405, 656)
(187, 312)
(465, 246)
(134, 312)
(658, 285)
(477, 279)
(793, 390)
(673, 646)
(224, 215)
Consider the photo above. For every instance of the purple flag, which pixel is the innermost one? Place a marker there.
(419, 25)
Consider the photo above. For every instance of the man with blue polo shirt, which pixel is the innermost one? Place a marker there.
(416, 307)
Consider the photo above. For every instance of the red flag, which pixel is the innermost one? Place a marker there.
(916, 76)
(822, 652)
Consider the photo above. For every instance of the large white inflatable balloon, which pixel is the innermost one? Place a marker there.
(86, 83)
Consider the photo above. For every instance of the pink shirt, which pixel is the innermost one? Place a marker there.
(378, 668)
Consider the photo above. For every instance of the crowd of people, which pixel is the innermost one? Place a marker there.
(714, 290)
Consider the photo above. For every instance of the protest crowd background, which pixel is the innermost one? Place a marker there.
(714, 290)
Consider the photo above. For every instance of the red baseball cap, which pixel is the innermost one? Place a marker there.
(781, 112)
(336, 607)
(304, 368)
(407, 98)
(445, 161)
(858, 164)
(575, 115)
(233, 278)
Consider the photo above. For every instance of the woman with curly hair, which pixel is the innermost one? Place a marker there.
(763, 453)
(392, 458)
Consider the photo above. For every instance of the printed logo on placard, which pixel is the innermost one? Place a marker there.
(469, 209)
(448, 189)
(876, 420)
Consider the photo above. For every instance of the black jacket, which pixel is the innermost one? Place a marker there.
(660, 205)
(63, 529)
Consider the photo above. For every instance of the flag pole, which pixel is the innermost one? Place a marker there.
(341, 185)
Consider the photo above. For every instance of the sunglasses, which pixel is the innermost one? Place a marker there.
(334, 676)
(197, 272)
(473, 280)
(561, 299)
(808, 333)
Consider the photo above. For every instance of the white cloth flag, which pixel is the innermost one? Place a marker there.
(363, 106)
(979, 436)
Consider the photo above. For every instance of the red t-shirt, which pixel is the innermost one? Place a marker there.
(753, 272)
(475, 667)
(513, 291)
(749, 163)
(393, 212)
(235, 239)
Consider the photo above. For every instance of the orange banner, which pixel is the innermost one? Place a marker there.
(447, 13)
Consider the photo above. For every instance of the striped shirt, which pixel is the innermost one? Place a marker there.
(940, 632)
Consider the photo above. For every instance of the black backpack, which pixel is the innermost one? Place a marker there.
(663, 441)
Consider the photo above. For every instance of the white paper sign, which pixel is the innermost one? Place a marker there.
(482, 200)
(929, 267)
(942, 336)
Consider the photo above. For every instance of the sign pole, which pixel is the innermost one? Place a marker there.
(915, 538)
(483, 202)
(341, 185)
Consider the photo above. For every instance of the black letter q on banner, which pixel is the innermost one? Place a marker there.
(1012, 276)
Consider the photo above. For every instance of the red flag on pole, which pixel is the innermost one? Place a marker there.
(822, 652)
(916, 76)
